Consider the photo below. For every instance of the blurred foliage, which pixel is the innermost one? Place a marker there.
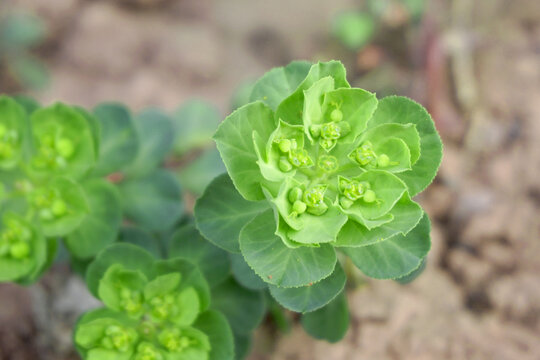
(19, 33)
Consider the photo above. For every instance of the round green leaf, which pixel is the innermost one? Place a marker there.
(278, 264)
(221, 213)
(194, 124)
(311, 297)
(279, 83)
(329, 323)
(244, 274)
(119, 141)
(156, 137)
(153, 201)
(215, 326)
(140, 237)
(187, 243)
(395, 257)
(100, 227)
(401, 110)
(243, 308)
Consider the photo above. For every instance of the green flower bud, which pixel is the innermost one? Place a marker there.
(318, 209)
(327, 144)
(299, 207)
(336, 115)
(294, 144)
(284, 164)
(315, 130)
(147, 351)
(172, 340)
(383, 160)
(131, 301)
(163, 306)
(345, 202)
(59, 208)
(20, 250)
(314, 196)
(295, 194)
(328, 163)
(285, 145)
(300, 158)
(365, 155)
(344, 128)
(369, 196)
(330, 131)
(65, 148)
(118, 338)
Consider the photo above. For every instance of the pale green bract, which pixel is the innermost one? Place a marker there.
(338, 168)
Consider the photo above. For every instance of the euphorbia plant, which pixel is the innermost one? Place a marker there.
(317, 168)
(154, 310)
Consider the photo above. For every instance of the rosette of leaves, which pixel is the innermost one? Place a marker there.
(316, 168)
(154, 310)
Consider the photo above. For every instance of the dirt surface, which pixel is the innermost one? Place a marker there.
(474, 64)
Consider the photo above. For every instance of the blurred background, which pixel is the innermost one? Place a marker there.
(474, 64)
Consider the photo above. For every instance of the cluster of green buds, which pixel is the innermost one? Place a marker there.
(338, 168)
(145, 318)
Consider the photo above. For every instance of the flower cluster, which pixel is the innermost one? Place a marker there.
(152, 309)
(338, 168)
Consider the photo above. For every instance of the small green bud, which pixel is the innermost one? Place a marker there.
(345, 202)
(295, 194)
(365, 155)
(315, 130)
(118, 338)
(336, 115)
(172, 340)
(46, 214)
(314, 196)
(299, 207)
(300, 158)
(284, 164)
(383, 160)
(65, 148)
(59, 208)
(369, 196)
(344, 128)
(19, 250)
(285, 145)
(147, 351)
(294, 144)
(328, 163)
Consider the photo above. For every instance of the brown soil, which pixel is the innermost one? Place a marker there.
(474, 64)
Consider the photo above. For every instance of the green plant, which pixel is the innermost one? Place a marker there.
(320, 176)
(316, 169)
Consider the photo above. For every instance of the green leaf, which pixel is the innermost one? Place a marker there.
(119, 141)
(76, 207)
(291, 109)
(194, 124)
(51, 126)
(313, 102)
(131, 257)
(234, 139)
(100, 227)
(156, 137)
(162, 285)
(187, 243)
(278, 264)
(142, 238)
(329, 323)
(243, 308)
(395, 257)
(29, 71)
(402, 110)
(241, 95)
(13, 131)
(414, 274)
(311, 297)
(405, 216)
(153, 201)
(356, 105)
(221, 213)
(191, 277)
(215, 326)
(196, 176)
(354, 30)
(388, 189)
(405, 132)
(28, 103)
(279, 83)
(242, 345)
(244, 274)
